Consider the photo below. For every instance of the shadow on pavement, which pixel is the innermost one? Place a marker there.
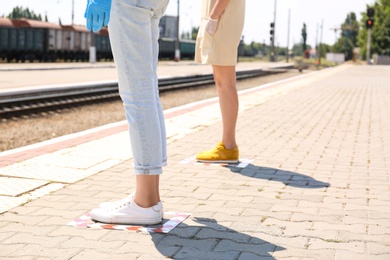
(209, 240)
(288, 178)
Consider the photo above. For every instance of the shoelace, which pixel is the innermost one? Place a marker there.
(119, 205)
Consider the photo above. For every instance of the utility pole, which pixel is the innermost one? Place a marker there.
(288, 36)
(177, 43)
(317, 42)
(72, 12)
(335, 33)
(368, 55)
(273, 28)
(273, 42)
(319, 45)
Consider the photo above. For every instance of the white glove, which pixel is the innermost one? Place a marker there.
(211, 26)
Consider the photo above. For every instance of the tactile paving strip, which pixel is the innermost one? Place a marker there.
(7, 203)
(17, 186)
(34, 170)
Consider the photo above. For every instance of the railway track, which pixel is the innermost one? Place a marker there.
(26, 102)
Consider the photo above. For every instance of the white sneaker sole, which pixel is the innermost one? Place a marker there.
(127, 220)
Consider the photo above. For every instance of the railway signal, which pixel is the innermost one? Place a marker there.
(370, 12)
(272, 32)
(272, 39)
(369, 25)
(370, 21)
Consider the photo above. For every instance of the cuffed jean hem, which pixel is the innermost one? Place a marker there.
(149, 170)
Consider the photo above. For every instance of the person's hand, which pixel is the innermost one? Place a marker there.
(211, 26)
(97, 14)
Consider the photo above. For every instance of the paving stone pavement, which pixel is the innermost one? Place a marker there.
(317, 188)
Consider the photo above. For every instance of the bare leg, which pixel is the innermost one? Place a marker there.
(225, 80)
(147, 190)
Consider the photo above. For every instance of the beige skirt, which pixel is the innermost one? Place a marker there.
(221, 48)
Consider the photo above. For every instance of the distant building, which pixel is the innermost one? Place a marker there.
(335, 57)
(168, 27)
(310, 54)
(381, 59)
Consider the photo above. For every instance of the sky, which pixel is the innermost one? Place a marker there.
(259, 15)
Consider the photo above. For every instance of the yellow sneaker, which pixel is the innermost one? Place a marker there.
(219, 155)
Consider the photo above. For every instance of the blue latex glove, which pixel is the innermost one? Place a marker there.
(97, 14)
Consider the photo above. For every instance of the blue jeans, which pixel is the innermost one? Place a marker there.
(134, 32)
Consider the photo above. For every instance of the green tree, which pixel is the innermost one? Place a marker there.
(185, 35)
(282, 51)
(380, 32)
(252, 49)
(297, 49)
(190, 35)
(248, 50)
(324, 48)
(20, 12)
(194, 33)
(349, 35)
(304, 37)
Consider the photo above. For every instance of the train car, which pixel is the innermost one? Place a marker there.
(187, 49)
(103, 46)
(168, 45)
(167, 48)
(24, 39)
(8, 38)
(76, 40)
(37, 40)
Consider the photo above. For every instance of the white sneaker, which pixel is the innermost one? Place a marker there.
(129, 213)
(109, 204)
(127, 199)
